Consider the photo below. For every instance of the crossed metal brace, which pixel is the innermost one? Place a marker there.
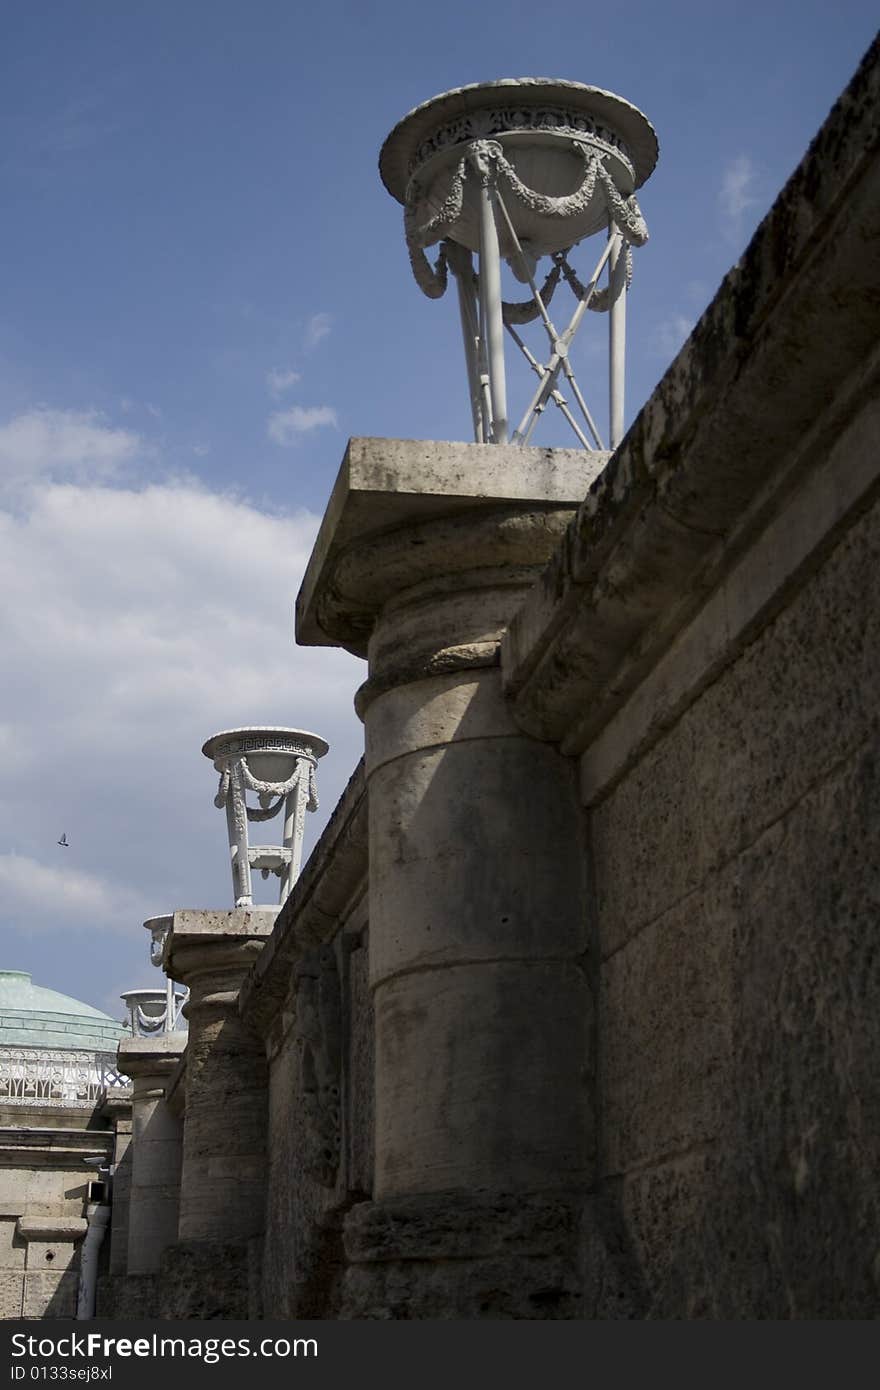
(475, 334)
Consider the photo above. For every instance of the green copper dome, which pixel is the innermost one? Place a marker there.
(31, 1016)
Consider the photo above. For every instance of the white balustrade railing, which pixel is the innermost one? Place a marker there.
(37, 1076)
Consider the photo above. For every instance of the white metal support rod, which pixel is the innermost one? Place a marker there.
(483, 370)
(294, 827)
(556, 396)
(490, 291)
(530, 279)
(462, 268)
(236, 824)
(551, 371)
(578, 395)
(616, 334)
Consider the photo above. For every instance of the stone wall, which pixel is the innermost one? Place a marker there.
(736, 882)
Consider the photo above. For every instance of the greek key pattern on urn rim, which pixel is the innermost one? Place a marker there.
(510, 120)
(300, 744)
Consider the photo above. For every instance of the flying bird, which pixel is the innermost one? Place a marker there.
(64, 840)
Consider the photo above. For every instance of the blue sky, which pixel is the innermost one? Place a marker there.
(205, 292)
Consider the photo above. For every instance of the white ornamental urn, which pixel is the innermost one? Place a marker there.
(153, 1011)
(277, 766)
(516, 170)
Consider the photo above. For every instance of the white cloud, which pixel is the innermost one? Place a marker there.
(318, 327)
(201, 450)
(63, 442)
(137, 622)
(285, 426)
(32, 891)
(280, 379)
(737, 194)
(670, 334)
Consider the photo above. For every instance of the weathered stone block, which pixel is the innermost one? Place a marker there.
(464, 1256)
(795, 703)
(50, 1295)
(11, 1292)
(665, 1006)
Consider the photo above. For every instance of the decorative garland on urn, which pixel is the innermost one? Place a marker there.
(248, 782)
(487, 159)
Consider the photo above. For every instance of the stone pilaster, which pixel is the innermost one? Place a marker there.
(477, 934)
(156, 1153)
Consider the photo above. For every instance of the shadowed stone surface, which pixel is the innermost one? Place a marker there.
(457, 1256)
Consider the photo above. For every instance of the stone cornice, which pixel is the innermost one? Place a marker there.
(115, 1108)
(151, 1056)
(53, 1148)
(212, 942)
(693, 481)
(393, 494)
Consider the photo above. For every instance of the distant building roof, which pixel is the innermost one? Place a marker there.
(32, 1016)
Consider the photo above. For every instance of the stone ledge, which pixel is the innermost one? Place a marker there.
(54, 1147)
(386, 484)
(51, 1227)
(198, 923)
(145, 1056)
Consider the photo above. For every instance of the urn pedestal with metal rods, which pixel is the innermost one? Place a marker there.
(515, 171)
(278, 766)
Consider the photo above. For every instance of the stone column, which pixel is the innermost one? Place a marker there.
(222, 1190)
(154, 1192)
(477, 932)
